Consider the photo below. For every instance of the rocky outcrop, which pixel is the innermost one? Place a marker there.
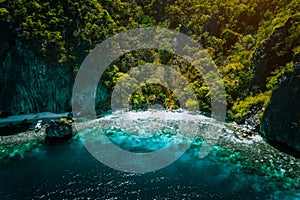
(276, 51)
(31, 83)
(281, 120)
(58, 129)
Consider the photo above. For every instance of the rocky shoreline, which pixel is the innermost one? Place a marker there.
(251, 152)
(22, 123)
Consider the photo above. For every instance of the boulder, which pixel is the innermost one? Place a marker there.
(58, 129)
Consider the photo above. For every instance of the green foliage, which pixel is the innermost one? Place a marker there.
(242, 108)
(230, 31)
(229, 38)
(236, 78)
(3, 12)
(191, 105)
(273, 80)
(60, 29)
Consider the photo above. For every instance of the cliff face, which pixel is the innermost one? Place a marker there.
(274, 52)
(29, 84)
(281, 120)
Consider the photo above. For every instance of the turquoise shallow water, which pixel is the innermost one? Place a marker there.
(68, 171)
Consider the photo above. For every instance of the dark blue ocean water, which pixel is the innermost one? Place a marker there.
(68, 171)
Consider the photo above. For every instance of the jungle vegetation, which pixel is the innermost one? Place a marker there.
(254, 43)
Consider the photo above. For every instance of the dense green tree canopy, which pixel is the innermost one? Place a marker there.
(240, 36)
